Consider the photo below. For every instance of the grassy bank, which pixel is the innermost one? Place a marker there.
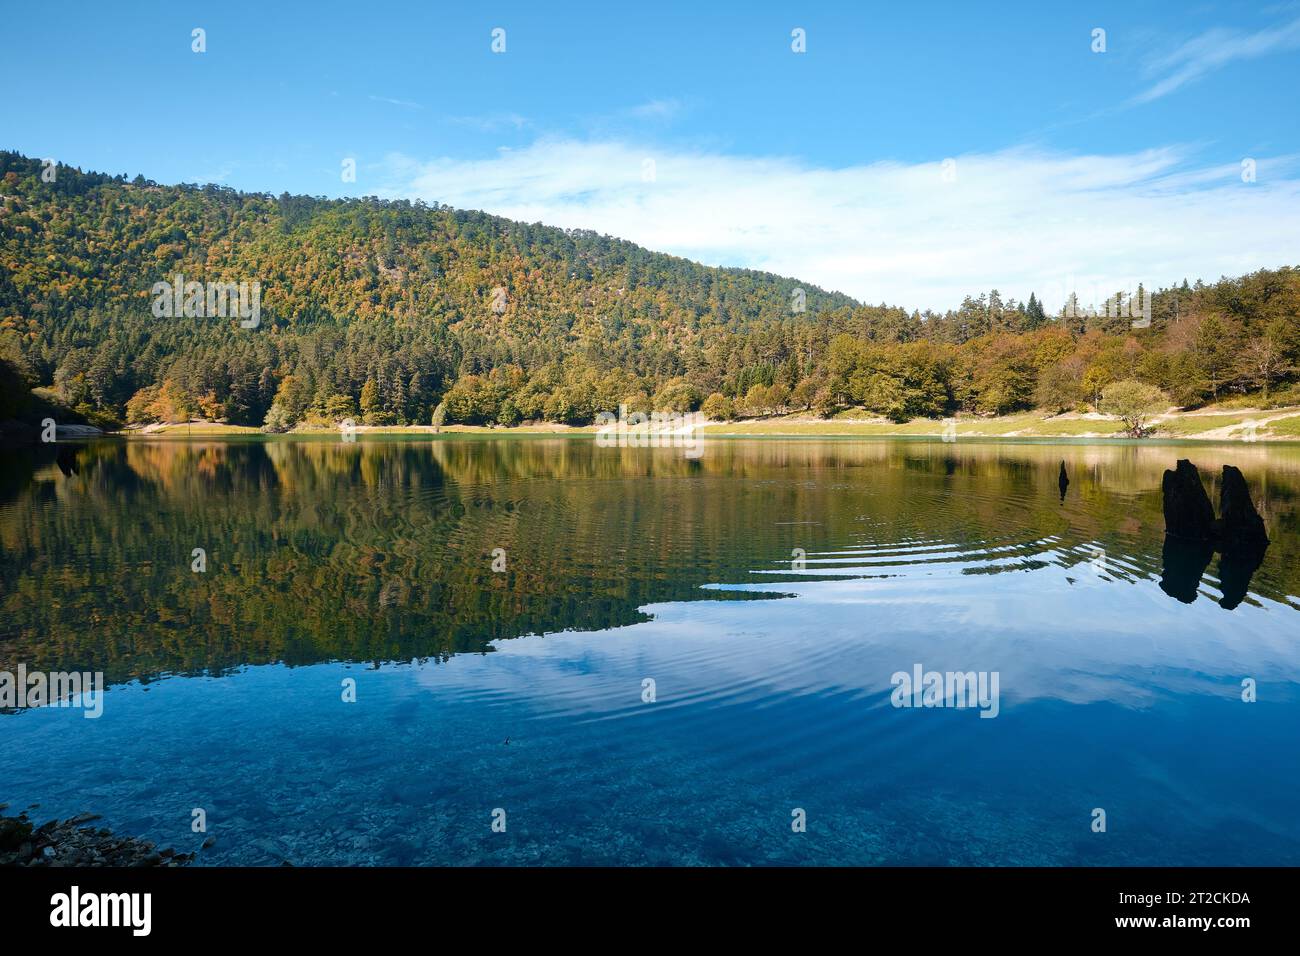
(220, 429)
(1281, 424)
(1211, 424)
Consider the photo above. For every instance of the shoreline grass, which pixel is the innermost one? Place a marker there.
(1276, 425)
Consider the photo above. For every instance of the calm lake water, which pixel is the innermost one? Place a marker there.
(769, 589)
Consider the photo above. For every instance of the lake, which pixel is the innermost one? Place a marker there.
(463, 651)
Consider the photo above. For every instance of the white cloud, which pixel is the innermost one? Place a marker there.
(1213, 50)
(1018, 220)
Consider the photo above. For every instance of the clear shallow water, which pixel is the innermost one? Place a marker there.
(373, 561)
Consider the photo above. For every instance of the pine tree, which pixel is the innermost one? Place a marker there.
(370, 407)
(1034, 315)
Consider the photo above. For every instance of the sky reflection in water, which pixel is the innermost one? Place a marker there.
(773, 687)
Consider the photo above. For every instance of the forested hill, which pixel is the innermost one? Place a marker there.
(352, 291)
(388, 311)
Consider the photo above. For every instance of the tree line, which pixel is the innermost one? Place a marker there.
(392, 312)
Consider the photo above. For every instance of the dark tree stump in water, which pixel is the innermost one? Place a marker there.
(1063, 480)
(1241, 529)
(1188, 512)
(1236, 568)
(1192, 535)
(1184, 564)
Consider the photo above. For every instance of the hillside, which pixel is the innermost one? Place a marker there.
(386, 311)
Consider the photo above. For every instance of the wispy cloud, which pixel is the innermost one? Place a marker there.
(1214, 50)
(491, 122)
(406, 104)
(656, 110)
(1019, 220)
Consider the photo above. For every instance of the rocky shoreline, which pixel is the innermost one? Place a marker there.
(70, 843)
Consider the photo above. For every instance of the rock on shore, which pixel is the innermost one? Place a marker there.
(68, 843)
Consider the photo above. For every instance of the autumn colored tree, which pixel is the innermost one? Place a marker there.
(1133, 403)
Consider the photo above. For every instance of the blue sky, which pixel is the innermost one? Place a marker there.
(695, 128)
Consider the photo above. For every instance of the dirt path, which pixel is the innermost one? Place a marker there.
(1227, 431)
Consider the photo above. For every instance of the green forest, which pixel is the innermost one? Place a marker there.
(401, 313)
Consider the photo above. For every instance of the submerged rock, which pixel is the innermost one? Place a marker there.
(67, 461)
(1188, 511)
